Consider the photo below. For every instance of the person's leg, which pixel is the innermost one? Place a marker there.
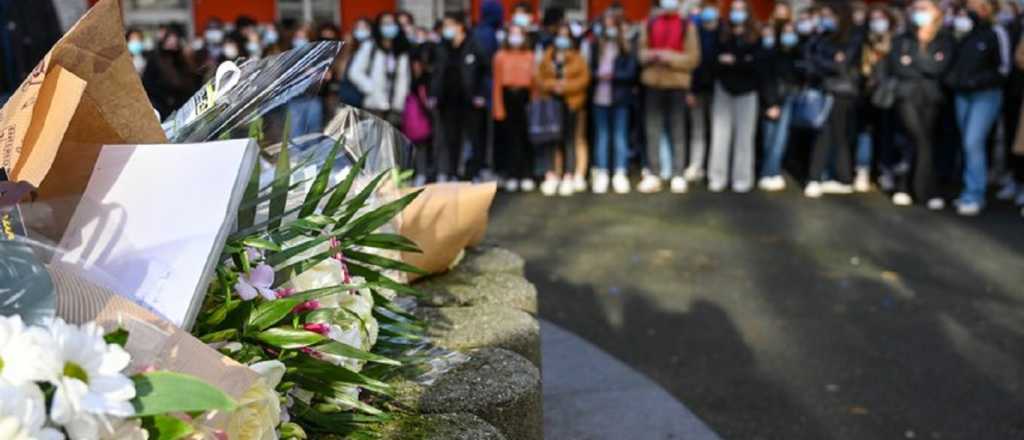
(447, 147)
(569, 141)
(620, 131)
(745, 110)
(654, 122)
(721, 138)
(822, 146)
(514, 132)
(841, 140)
(582, 147)
(601, 136)
(698, 136)
(983, 110)
(677, 128)
(925, 184)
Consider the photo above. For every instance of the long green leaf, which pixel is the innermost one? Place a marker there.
(271, 312)
(263, 226)
(260, 243)
(278, 203)
(309, 370)
(164, 392)
(392, 242)
(339, 195)
(165, 427)
(372, 220)
(277, 192)
(293, 251)
(289, 338)
(345, 350)
(247, 214)
(383, 262)
(353, 205)
(316, 191)
(375, 278)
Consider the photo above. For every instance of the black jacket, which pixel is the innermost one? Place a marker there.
(469, 61)
(703, 76)
(624, 79)
(839, 78)
(741, 77)
(919, 70)
(28, 30)
(982, 60)
(781, 74)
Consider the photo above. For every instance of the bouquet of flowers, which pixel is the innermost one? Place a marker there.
(67, 381)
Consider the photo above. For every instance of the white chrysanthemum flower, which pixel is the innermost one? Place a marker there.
(23, 414)
(91, 389)
(124, 429)
(26, 353)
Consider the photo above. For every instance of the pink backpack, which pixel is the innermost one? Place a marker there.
(415, 118)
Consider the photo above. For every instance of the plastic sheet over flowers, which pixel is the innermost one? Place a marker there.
(241, 94)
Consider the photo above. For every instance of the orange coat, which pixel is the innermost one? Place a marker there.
(577, 78)
(514, 69)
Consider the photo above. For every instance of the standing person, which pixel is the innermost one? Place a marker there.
(362, 32)
(615, 70)
(486, 33)
(459, 92)
(169, 77)
(976, 77)
(874, 131)
(782, 13)
(563, 75)
(782, 85)
(735, 105)
(918, 59)
(381, 70)
(835, 61)
(513, 77)
(1012, 183)
(669, 53)
(137, 49)
(701, 90)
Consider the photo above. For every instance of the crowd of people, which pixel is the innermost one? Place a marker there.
(921, 99)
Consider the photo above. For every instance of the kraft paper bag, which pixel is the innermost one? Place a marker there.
(445, 219)
(152, 341)
(84, 93)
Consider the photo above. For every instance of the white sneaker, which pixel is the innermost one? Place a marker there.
(835, 187)
(968, 209)
(742, 189)
(649, 184)
(579, 184)
(567, 187)
(902, 199)
(716, 187)
(620, 183)
(600, 181)
(678, 185)
(527, 185)
(772, 184)
(862, 183)
(419, 181)
(813, 190)
(549, 187)
(1008, 192)
(693, 174)
(442, 178)
(765, 183)
(511, 185)
(936, 204)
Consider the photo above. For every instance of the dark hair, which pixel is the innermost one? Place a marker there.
(843, 14)
(751, 27)
(458, 17)
(524, 5)
(553, 15)
(400, 44)
(327, 27)
(244, 21)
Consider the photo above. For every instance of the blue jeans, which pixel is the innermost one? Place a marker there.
(611, 124)
(307, 115)
(775, 137)
(975, 114)
(865, 150)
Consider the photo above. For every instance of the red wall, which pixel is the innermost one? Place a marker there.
(263, 11)
(352, 10)
(635, 10)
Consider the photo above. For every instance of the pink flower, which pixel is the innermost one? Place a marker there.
(317, 327)
(257, 281)
(311, 352)
(284, 293)
(307, 306)
(345, 277)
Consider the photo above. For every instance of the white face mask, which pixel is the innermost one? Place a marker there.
(879, 26)
(254, 49)
(214, 36)
(516, 40)
(669, 4)
(963, 24)
(230, 51)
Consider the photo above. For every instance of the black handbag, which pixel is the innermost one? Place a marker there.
(545, 121)
(884, 96)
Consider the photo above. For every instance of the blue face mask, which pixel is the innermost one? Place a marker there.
(709, 15)
(389, 31)
(563, 43)
(789, 39)
(922, 18)
(448, 33)
(828, 24)
(768, 42)
(521, 20)
(361, 34)
(738, 17)
(136, 47)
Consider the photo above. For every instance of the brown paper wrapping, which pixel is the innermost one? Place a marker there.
(84, 93)
(444, 220)
(152, 341)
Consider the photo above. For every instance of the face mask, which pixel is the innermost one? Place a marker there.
(231, 51)
(361, 34)
(789, 39)
(879, 26)
(576, 30)
(500, 35)
(611, 33)
(768, 42)
(922, 18)
(709, 15)
(738, 17)
(197, 44)
(521, 20)
(804, 27)
(828, 24)
(669, 4)
(214, 36)
(563, 43)
(963, 24)
(135, 47)
(516, 40)
(254, 49)
(389, 31)
(270, 36)
(298, 42)
(448, 33)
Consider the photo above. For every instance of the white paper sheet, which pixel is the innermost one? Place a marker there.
(154, 219)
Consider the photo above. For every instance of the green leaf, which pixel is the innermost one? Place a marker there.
(164, 392)
(289, 253)
(289, 338)
(393, 242)
(376, 279)
(256, 130)
(263, 226)
(280, 192)
(164, 427)
(316, 191)
(283, 169)
(356, 203)
(341, 192)
(260, 243)
(372, 220)
(345, 350)
(247, 214)
(383, 262)
(315, 374)
(117, 337)
(271, 312)
(218, 315)
(220, 336)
